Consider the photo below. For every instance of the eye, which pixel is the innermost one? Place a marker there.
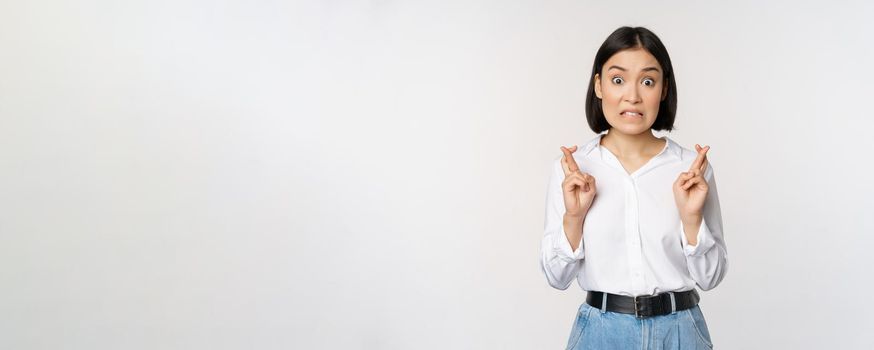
(617, 80)
(648, 80)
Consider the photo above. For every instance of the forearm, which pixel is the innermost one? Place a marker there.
(691, 225)
(573, 228)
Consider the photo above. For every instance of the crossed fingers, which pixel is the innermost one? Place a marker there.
(567, 162)
(700, 162)
(695, 175)
(573, 176)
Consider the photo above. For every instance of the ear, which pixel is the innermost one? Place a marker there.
(664, 92)
(598, 85)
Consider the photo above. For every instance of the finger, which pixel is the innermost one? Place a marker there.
(705, 165)
(591, 180)
(564, 158)
(702, 154)
(706, 162)
(585, 181)
(684, 176)
(697, 180)
(577, 175)
(569, 158)
(690, 183)
(572, 163)
(572, 182)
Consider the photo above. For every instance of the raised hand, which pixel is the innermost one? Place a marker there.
(578, 187)
(690, 189)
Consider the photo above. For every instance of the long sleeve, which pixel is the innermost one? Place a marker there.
(708, 260)
(558, 262)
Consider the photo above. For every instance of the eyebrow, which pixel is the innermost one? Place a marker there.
(643, 70)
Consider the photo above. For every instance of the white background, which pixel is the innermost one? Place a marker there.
(372, 175)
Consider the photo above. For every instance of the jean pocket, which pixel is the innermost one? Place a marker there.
(579, 324)
(696, 318)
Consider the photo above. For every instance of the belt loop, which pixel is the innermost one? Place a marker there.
(603, 302)
(636, 309)
(673, 303)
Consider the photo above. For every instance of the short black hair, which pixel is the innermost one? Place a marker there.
(628, 38)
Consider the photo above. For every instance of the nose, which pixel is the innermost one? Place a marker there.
(632, 95)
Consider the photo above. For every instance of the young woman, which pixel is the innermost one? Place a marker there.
(632, 217)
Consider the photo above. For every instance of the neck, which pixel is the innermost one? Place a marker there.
(625, 145)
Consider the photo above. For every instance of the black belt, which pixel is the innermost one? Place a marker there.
(645, 305)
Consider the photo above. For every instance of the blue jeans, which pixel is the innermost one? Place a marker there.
(594, 329)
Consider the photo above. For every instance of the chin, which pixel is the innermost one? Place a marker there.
(629, 129)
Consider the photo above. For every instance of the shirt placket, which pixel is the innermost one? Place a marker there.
(632, 234)
(634, 251)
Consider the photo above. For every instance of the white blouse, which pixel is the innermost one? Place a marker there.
(633, 242)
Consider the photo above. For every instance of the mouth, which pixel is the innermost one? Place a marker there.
(631, 114)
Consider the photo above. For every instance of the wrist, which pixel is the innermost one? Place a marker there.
(691, 219)
(691, 226)
(574, 219)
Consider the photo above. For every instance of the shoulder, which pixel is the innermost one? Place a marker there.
(582, 155)
(688, 155)
(583, 150)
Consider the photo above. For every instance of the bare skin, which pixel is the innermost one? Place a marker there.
(633, 152)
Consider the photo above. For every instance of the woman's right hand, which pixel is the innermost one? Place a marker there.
(578, 187)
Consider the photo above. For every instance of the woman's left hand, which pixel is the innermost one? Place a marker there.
(690, 189)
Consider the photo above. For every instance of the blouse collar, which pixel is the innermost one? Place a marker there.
(673, 149)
